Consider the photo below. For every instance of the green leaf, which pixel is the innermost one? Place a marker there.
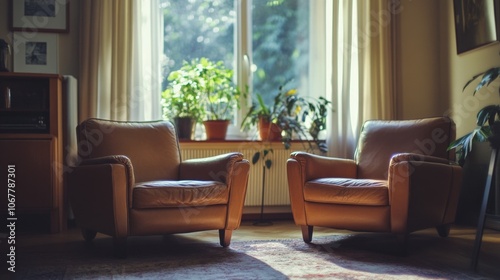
(263, 106)
(488, 77)
(463, 145)
(268, 163)
(488, 114)
(471, 80)
(266, 152)
(255, 157)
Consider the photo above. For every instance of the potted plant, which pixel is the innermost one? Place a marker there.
(291, 115)
(219, 95)
(261, 116)
(181, 100)
(488, 119)
(204, 90)
(319, 112)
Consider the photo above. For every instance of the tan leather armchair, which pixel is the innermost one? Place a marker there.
(402, 179)
(131, 181)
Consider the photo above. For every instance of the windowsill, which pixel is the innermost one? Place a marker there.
(239, 141)
(241, 144)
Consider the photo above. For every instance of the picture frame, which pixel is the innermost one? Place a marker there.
(36, 53)
(39, 15)
(476, 23)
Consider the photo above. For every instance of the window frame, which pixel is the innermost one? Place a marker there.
(317, 80)
(243, 61)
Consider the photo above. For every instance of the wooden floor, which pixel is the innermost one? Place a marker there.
(453, 251)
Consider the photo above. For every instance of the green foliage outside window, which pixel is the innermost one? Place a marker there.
(205, 28)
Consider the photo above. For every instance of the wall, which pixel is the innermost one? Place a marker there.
(68, 42)
(431, 73)
(417, 57)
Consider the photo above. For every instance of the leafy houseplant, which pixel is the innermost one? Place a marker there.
(261, 116)
(206, 92)
(218, 94)
(319, 112)
(488, 119)
(181, 100)
(291, 114)
(218, 90)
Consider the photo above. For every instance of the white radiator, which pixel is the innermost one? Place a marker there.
(276, 185)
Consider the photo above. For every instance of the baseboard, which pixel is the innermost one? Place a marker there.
(252, 213)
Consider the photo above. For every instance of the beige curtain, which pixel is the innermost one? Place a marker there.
(377, 74)
(361, 69)
(118, 79)
(106, 53)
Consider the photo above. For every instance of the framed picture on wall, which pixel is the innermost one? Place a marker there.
(39, 15)
(476, 23)
(35, 54)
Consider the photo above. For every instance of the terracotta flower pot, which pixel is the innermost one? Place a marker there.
(216, 129)
(269, 131)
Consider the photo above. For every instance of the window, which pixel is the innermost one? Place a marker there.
(268, 43)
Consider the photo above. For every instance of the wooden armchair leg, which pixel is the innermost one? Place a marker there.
(443, 230)
(307, 233)
(120, 247)
(88, 234)
(225, 237)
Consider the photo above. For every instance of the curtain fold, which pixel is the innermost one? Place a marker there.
(377, 67)
(118, 80)
(361, 70)
(144, 97)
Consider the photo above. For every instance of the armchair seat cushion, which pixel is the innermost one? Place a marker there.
(184, 193)
(347, 191)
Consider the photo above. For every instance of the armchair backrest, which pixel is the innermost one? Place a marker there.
(152, 147)
(379, 140)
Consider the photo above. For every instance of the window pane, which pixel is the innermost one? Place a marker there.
(280, 46)
(197, 28)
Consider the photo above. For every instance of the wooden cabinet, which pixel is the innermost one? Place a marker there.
(31, 141)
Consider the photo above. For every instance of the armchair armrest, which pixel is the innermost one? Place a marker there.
(99, 191)
(419, 158)
(422, 188)
(116, 159)
(314, 166)
(228, 168)
(215, 168)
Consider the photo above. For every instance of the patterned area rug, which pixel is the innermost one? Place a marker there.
(332, 257)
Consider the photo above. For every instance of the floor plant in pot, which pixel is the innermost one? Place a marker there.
(488, 129)
(488, 119)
